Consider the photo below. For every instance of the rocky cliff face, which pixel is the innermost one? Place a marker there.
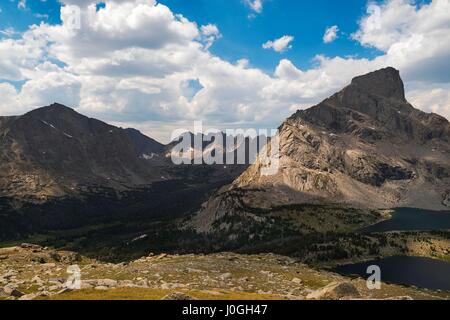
(365, 146)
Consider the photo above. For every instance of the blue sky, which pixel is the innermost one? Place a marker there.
(231, 63)
(304, 20)
(34, 12)
(242, 36)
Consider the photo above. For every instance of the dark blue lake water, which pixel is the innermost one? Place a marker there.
(411, 219)
(416, 271)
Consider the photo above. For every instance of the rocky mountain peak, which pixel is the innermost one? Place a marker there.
(384, 82)
(56, 109)
(373, 107)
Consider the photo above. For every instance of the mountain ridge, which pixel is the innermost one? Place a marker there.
(60, 169)
(363, 147)
(54, 150)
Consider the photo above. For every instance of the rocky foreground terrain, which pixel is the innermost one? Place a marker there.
(33, 272)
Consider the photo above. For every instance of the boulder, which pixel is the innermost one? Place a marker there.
(69, 257)
(407, 298)
(335, 291)
(30, 296)
(55, 287)
(55, 256)
(142, 283)
(9, 274)
(107, 283)
(101, 288)
(126, 284)
(226, 276)
(3, 294)
(31, 246)
(49, 265)
(15, 293)
(57, 280)
(86, 285)
(161, 256)
(43, 293)
(64, 290)
(37, 280)
(178, 296)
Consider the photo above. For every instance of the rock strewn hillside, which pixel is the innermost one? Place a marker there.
(32, 272)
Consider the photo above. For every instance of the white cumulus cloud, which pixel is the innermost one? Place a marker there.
(331, 34)
(210, 33)
(279, 45)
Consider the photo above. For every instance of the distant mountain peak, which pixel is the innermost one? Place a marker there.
(58, 105)
(54, 151)
(384, 82)
(54, 107)
(54, 111)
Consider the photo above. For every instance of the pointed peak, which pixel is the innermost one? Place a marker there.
(384, 82)
(53, 111)
(53, 108)
(58, 106)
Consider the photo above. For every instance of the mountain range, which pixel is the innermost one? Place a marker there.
(363, 148)
(60, 169)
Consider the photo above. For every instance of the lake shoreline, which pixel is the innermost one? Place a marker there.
(420, 272)
(410, 219)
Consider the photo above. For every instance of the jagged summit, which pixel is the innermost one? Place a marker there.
(385, 83)
(59, 116)
(373, 107)
(53, 108)
(56, 106)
